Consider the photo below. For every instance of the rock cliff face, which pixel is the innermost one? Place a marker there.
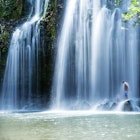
(12, 14)
(11, 9)
(50, 26)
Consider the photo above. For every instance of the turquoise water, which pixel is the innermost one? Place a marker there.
(70, 126)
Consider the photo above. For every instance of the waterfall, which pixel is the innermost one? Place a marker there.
(20, 82)
(96, 51)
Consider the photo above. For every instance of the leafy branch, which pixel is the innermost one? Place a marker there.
(133, 12)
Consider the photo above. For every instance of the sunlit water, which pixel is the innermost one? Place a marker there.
(70, 126)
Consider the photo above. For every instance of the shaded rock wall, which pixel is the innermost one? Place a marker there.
(50, 26)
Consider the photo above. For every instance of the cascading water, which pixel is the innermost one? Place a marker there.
(21, 73)
(96, 52)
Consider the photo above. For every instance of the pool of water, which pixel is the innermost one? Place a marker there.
(67, 125)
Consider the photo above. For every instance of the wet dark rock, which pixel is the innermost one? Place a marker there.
(132, 105)
(107, 105)
(128, 106)
(114, 105)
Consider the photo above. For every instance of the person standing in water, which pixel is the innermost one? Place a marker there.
(125, 88)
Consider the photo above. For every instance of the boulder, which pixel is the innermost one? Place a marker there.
(128, 106)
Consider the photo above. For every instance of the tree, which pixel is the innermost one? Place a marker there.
(133, 12)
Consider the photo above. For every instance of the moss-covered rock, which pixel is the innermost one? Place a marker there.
(10, 9)
(49, 22)
(11, 15)
(49, 27)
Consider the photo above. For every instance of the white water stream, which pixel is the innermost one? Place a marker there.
(96, 51)
(20, 82)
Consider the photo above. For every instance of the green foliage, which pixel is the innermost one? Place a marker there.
(51, 19)
(133, 12)
(117, 2)
(4, 35)
(10, 9)
(4, 41)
